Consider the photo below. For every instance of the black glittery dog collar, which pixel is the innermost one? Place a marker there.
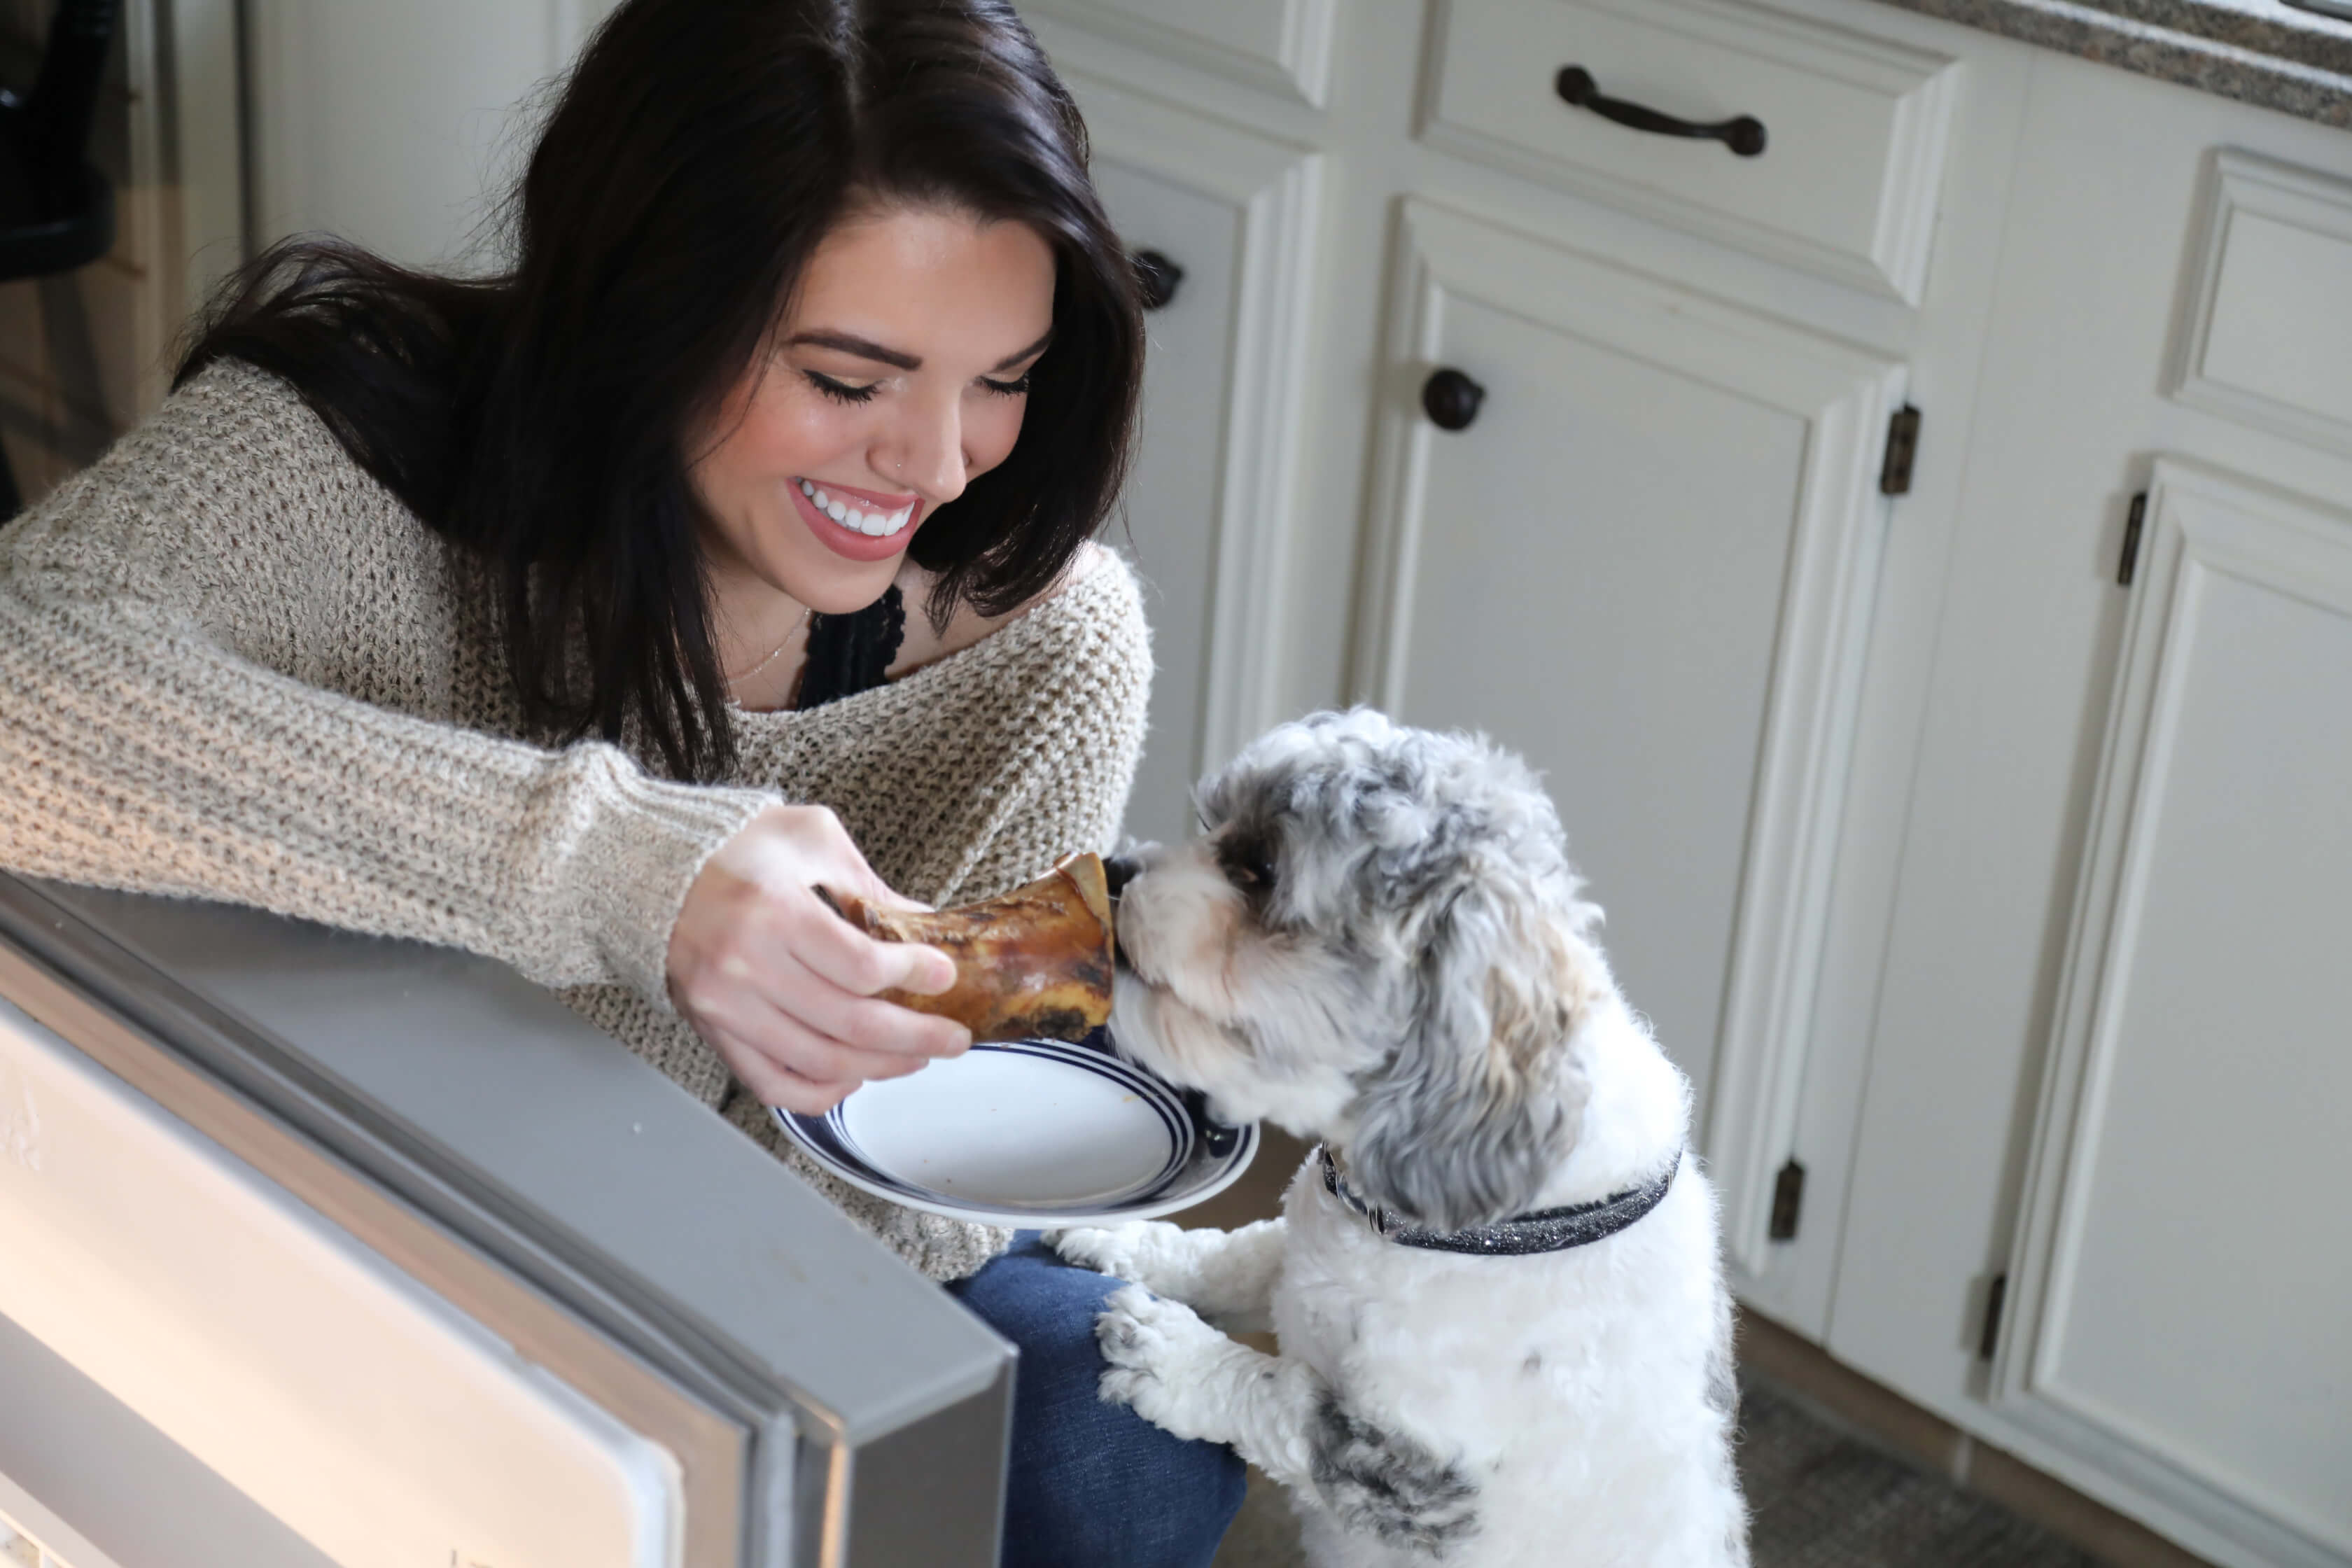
(1548, 1230)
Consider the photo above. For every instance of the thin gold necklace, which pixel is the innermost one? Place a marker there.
(732, 680)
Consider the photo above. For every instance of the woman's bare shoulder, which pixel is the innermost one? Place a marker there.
(925, 643)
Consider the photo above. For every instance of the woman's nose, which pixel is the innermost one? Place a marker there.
(929, 456)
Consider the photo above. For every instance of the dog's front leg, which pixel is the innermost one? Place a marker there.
(1180, 1374)
(1372, 1476)
(1227, 1275)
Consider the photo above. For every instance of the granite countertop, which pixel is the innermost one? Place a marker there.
(2262, 52)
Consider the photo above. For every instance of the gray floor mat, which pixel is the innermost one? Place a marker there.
(1821, 1498)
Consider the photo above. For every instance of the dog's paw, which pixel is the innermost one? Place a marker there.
(1123, 1252)
(1383, 1483)
(1160, 1358)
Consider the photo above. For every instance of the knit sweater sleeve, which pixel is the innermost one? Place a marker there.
(152, 738)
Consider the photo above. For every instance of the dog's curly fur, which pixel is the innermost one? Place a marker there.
(1378, 943)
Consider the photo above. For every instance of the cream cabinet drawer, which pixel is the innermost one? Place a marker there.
(2270, 340)
(1282, 45)
(1854, 127)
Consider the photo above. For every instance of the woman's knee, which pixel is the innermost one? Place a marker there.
(1091, 1482)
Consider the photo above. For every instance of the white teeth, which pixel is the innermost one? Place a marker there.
(874, 524)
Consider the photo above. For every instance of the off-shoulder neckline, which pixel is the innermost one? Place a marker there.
(1007, 640)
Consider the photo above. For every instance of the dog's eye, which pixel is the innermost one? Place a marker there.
(1250, 864)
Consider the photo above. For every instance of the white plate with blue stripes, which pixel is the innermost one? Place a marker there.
(1029, 1133)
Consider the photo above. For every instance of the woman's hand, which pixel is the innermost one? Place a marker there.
(783, 987)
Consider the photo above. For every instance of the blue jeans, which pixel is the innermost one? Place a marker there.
(1090, 1485)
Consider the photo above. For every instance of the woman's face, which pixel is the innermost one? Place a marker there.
(898, 376)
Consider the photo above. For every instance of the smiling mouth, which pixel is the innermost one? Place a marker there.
(866, 520)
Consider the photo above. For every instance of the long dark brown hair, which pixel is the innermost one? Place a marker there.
(698, 153)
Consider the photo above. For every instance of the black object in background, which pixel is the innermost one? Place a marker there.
(56, 211)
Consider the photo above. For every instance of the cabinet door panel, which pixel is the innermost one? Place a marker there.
(1589, 594)
(1171, 515)
(2186, 1281)
(1647, 565)
(1208, 506)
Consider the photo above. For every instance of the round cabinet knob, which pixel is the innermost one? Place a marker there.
(1451, 399)
(1156, 277)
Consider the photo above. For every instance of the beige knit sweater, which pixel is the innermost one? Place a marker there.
(233, 666)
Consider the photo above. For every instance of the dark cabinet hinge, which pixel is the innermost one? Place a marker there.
(1902, 445)
(2130, 562)
(1991, 1334)
(1787, 1198)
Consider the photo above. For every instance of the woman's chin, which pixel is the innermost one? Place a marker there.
(829, 584)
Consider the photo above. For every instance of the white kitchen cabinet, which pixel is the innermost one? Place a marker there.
(2184, 1275)
(1845, 820)
(2111, 241)
(1647, 564)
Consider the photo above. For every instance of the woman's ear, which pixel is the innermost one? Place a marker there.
(1480, 1101)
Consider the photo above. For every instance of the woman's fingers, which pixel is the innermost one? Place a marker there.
(883, 896)
(866, 1023)
(786, 1064)
(773, 1081)
(824, 1034)
(837, 951)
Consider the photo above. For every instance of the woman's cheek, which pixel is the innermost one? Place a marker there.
(991, 431)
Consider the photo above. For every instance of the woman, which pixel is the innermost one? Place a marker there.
(735, 541)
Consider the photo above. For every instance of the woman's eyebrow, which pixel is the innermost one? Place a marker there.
(866, 348)
(863, 348)
(1009, 361)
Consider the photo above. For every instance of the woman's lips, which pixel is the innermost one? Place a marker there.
(854, 543)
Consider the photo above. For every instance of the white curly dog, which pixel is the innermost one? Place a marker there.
(1504, 1334)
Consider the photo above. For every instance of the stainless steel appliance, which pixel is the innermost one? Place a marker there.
(319, 1248)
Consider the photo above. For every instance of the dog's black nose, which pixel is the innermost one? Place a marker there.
(1118, 871)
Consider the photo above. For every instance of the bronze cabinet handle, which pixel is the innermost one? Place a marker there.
(1451, 399)
(1156, 277)
(1743, 134)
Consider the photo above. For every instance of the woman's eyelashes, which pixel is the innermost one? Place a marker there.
(843, 391)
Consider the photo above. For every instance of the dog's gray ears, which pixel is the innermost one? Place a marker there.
(1482, 1100)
